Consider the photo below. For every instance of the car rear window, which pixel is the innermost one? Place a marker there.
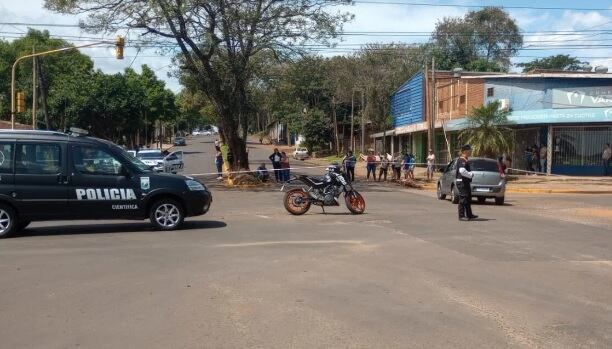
(484, 165)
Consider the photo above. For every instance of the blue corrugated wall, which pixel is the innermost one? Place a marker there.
(407, 102)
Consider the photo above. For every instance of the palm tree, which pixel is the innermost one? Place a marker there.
(488, 132)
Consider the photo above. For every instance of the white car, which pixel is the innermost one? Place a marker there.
(195, 133)
(300, 153)
(172, 163)
(206, 133)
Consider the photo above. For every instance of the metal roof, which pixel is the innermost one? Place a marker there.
(542, 75)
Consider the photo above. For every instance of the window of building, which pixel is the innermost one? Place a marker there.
(579, 146)
(490, 92)
(38, 159)
(6, 157)
(462, 99)
(94, 161)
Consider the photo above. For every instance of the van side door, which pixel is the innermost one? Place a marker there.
(41, 183)
(100, 186)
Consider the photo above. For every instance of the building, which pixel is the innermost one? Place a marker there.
(570, 113)
(412, 105)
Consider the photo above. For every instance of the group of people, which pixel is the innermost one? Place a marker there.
(536, 158)
(378, 166)
(280, 165)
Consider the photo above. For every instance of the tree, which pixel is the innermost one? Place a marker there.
(219, 41)
(489, 34)
(316, 130)
(487, 130)
(558, 62)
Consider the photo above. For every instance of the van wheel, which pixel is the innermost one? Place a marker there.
(166, 214)
(454, 195)
(8, 221)
(500, 201)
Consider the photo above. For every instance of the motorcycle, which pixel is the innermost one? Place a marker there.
(323, 192)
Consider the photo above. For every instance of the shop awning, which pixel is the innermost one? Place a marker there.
(381, 134)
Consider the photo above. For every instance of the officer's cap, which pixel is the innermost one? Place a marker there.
(466, 147)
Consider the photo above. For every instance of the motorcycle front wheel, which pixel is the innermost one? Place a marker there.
(354, 202)
(297, 202)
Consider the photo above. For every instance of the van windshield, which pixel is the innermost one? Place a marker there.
(141, 166)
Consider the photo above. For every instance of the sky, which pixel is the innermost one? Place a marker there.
(383, 16)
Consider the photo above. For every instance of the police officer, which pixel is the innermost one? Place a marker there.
(463, 178)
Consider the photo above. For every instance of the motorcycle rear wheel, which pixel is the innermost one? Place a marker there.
(297, 202)
(354, 202)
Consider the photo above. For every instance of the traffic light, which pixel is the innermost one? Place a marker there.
(119, 44)
(20, 102)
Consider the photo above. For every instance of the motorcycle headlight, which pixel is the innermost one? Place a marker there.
(194, 185)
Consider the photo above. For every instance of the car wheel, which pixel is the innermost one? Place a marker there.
(454, 195)
(166, 214)
(481, 199)
(441, 196)
(8, 221)
(500, 200)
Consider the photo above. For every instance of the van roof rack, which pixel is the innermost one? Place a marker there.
(78, 132)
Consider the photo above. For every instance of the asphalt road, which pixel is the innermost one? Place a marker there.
(534, 273)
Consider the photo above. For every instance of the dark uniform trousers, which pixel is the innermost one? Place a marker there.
(465, 199)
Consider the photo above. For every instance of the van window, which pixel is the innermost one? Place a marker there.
(95, 161)
(38, 158)
(6, 157)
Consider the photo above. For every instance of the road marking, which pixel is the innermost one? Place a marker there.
(293, 242)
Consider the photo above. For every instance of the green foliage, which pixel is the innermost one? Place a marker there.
(488, 132)
(557, 62)
(488, 35)
(316, 130)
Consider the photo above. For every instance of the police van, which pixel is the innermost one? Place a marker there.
(46, 175)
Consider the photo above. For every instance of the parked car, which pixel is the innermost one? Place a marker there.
(195, 133)
(206, 133)
(487, 182)
(171, 163)
(180, 142)
(300, 153)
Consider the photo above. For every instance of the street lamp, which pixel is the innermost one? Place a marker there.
(119, 44)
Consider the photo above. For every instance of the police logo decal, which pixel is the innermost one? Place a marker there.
(105, 194)
(145, 183)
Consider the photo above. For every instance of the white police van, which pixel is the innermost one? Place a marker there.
(47, 175)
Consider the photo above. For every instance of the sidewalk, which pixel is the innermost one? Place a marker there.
(515, 184)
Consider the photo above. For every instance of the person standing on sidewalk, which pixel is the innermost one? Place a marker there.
(284, 164)
(384, 167)
(543, 158)
(431, 162)
(397, 162)
(606, 155)
(463, 178)
(219, 164)
(349, 165)
(371, 165)
(275, 158)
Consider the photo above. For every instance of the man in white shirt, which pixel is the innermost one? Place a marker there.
(431, 161)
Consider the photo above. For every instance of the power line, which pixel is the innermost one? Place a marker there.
(551, 8)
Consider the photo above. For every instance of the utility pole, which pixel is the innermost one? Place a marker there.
(34, 90)
(335, 125)
(352, 120)
(432, 111)
(363, 121)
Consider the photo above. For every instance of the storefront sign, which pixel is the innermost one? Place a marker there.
(420, 126)
(585, 97)
(547, 116)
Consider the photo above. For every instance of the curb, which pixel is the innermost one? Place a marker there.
(546, 191)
